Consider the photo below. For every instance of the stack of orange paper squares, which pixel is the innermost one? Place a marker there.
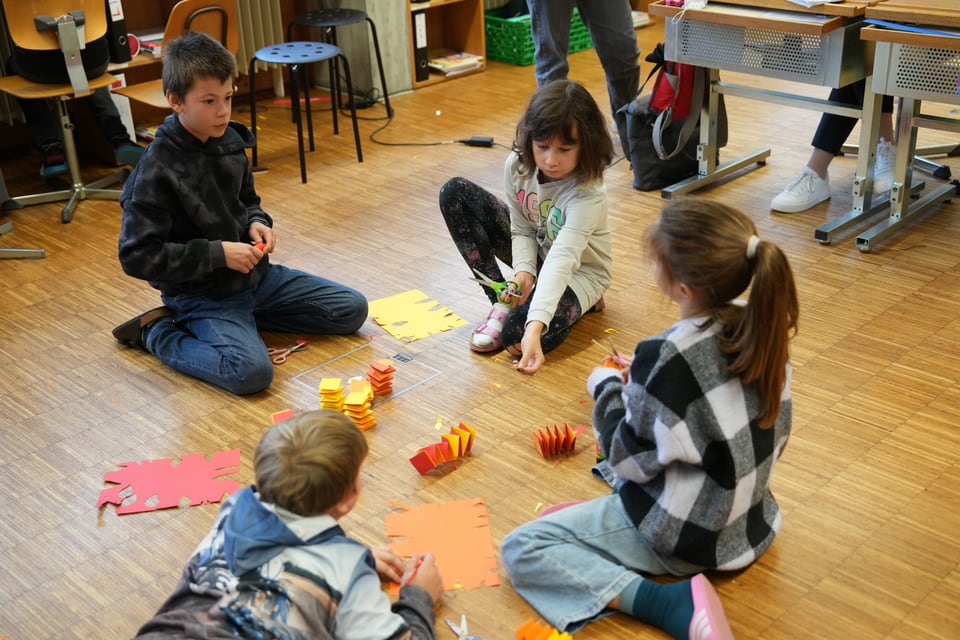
(380, 376)
(532, 630)
(553, 442)
(358, 402)
(452, 445)
(331, 394)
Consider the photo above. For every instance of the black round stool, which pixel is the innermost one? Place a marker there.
(295, 55)
(328, 20)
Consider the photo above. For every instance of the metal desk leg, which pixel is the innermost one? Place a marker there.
(865, 204)
(901, 210)
(707, 151)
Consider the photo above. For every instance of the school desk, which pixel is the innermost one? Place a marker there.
(774, 38)
(914, 66)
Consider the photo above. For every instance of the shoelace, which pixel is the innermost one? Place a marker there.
(803, 181)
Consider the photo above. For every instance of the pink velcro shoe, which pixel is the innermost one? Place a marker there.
(486, 337)
(709, 621)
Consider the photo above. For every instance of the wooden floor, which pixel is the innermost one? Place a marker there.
(869, 484)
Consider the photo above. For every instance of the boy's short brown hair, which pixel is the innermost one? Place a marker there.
(192, 56)
(307, 464)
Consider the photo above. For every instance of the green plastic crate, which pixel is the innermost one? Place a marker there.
(509, 39)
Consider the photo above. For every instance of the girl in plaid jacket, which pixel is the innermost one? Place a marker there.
(691, 427)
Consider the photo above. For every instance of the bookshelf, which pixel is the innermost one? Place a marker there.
(446, 24)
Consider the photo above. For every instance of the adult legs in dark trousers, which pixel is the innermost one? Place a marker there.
(610, 23)
(812, 185)
(49, 67)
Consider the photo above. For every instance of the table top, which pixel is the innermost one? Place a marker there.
(847, 8)
(782, 17)
(939, 13)
(882, 34)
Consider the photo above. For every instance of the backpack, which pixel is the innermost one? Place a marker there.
(660, 131)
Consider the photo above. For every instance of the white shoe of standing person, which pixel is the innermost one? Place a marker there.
(883, 167)
(806, 190)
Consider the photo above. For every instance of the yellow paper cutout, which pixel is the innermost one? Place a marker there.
(413, 315)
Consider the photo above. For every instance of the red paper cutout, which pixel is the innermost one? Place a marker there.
(280, 416)
(552, 442)
(456, 533)
(453, 445)
(380, 376)
(159, 484)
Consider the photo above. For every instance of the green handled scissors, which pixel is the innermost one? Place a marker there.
(500, 288)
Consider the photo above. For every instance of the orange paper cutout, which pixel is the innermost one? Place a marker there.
(453, 445)
(552, 442)
(533, 630)
(357, 405)
(456, 533)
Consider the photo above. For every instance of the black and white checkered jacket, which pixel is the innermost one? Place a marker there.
(693, 467)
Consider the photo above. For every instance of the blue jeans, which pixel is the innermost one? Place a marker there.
(218, 340)
(611, 29)
(571, 563)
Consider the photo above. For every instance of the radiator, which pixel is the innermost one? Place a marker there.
(260, 25)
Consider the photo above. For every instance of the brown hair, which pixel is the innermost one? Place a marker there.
(195, 55)
(307, 464)
(712, 248)
(565, 109)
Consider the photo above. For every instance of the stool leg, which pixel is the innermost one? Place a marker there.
(305, 83)
(383, 79)
(353, 106)
(253, 109)
(334, 71)
(335, 80)
(295, 103)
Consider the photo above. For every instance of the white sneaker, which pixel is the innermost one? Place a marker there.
(804, 191)
(883, 167)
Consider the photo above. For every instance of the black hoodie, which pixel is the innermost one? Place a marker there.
(183, 199)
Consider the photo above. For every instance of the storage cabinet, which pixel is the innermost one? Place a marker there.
(444, 24)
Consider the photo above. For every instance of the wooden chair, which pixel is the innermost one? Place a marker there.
(217, 18)
(65, 25)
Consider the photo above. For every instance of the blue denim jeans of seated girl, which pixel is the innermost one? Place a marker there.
(571, 563)
(218, 340)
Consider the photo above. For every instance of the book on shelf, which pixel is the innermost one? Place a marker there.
(146, 132)
(151, 42)
(450, 62)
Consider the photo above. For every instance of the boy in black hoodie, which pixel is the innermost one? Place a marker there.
(192, 226)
